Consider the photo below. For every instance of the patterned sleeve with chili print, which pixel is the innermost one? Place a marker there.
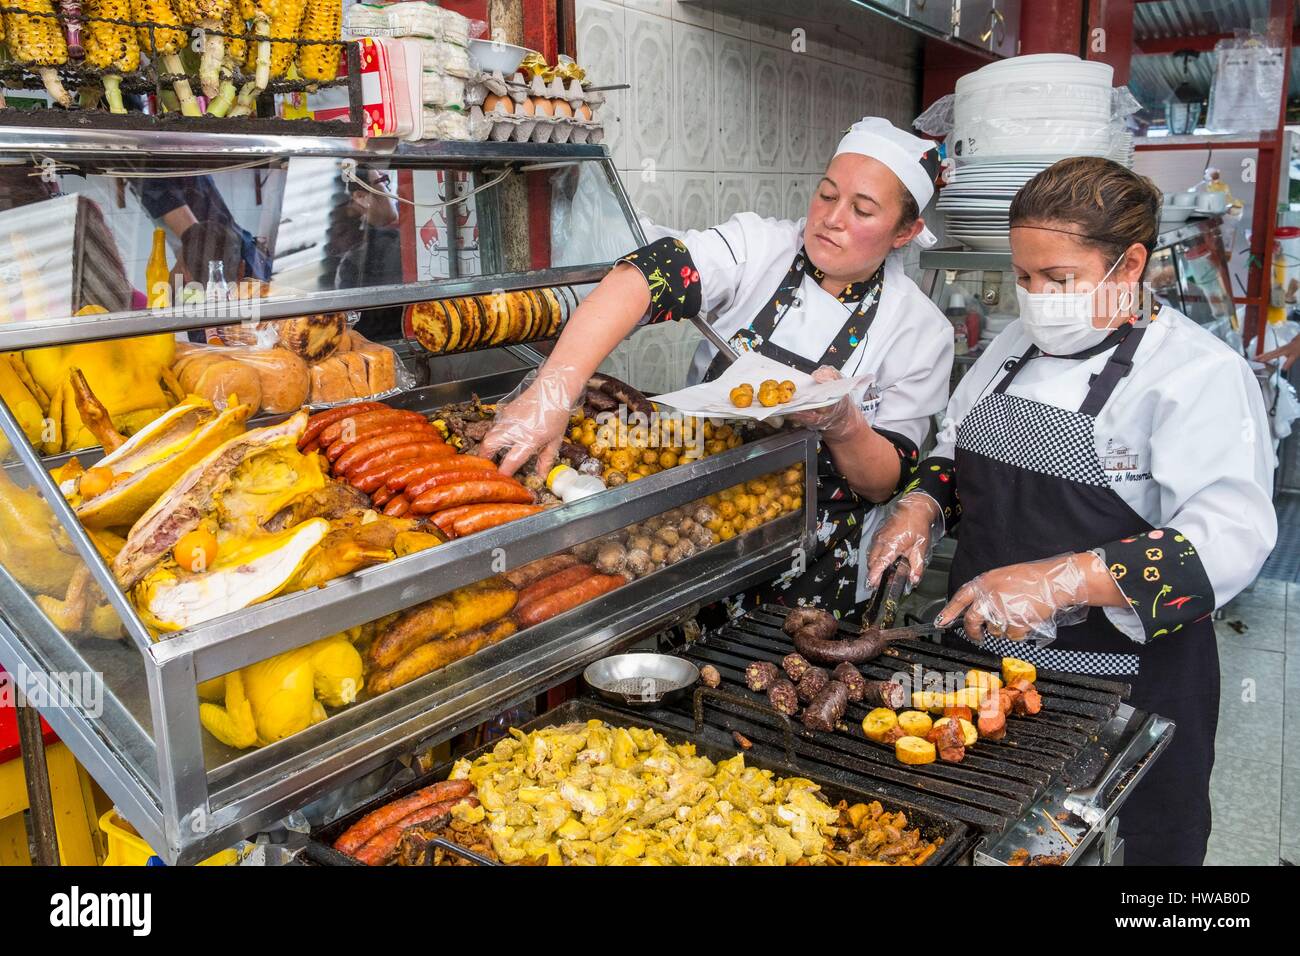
(907, 456)
(937, 477)
(674, 281)
(1162, 576)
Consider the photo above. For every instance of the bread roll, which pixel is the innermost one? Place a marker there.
(356, 370)
(285, 381)
(329, 381)
(224, 378)
(381, 363)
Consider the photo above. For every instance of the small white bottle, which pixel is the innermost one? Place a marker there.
(567, 484)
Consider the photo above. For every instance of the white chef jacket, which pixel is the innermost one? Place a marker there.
(908, 349)
(1184, 440)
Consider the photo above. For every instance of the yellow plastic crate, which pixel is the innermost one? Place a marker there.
(126, 848)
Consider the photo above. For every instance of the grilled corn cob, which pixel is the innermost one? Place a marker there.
(163, 44)
(280, 19)
(319, 62)
(111, 48)
(3, 104)
(209, 16)
(38, 41)
(235, 48)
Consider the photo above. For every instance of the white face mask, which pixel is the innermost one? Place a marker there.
(1061, 323)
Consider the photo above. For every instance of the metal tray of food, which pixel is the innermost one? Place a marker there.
(957, 837)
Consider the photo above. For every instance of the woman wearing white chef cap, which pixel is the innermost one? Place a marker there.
(820, 293)
(1108, 466)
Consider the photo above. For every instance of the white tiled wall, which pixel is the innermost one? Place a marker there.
(722, 115)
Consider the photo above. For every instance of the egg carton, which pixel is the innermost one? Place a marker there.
(501, 127)
(482, 85)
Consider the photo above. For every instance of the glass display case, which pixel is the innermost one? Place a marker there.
(98, 605)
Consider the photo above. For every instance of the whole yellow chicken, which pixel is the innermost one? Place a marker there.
(277, 697)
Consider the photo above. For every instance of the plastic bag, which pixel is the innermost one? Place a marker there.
(937, 120)
(279, 366)
(1248, 78)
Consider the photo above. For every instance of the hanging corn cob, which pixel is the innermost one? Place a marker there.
(256, 54)
(38, 42)
(209, 16)
(111, 48)
(235, 48)
(70, 15)
(319, 62)
(163, 44)
(280, 19)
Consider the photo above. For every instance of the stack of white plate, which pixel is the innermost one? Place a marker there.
(1034, 108)
(976, 202)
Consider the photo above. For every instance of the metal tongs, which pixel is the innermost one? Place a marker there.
(883, 609)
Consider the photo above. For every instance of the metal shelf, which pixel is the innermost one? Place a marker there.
(177, 144)
(65, 331)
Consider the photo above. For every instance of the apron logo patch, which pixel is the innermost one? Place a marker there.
(1120, 464)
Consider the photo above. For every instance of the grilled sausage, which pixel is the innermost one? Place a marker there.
(445, 521)
(382, 497)
(811, 684)
(548, 607)
(322, 420)
(434, 655)
(564, 578)
(821, 623)
(541, 568)
(366, 451)
(992, 722)
(356, 424)
(950, 741)
(783, 697)
(375, 433)
(852, 679)
(380, 848)
(760, 675)
(413, 627)
(375, 472)
(368, 826)
(398, 507)
(471, 493)
(439, 478)
(423, 468)
(491, 516)
(794, 666)
(884, 693)
(826, 650)
(827, 708)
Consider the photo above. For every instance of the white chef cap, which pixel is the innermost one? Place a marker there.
(915, 161)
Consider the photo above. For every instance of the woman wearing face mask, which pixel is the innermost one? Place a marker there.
(1111, 479)
(819, 294)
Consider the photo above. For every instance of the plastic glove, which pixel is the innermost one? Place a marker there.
(835, 422)
(1034, 598)
(534, 423)
(912, 528)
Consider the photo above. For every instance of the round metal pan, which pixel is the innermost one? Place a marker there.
(641, 679)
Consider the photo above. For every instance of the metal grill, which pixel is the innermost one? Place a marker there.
(995, 785)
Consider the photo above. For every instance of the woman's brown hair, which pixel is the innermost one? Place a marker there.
(1108, 206)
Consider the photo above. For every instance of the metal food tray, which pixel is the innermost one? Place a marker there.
(957, 836)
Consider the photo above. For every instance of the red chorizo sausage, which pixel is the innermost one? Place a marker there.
(381, 429)
(439, 479)
(476, 492)
(445, 521)
(565, 578)
(355, 836)
(566, 600)
(398, 506)
(322, 420)
(391, 461)
(364, 451)
(492, 516)
(416, 471)
(382, 497)
(380, 848)
(356, 425)
(520, 578)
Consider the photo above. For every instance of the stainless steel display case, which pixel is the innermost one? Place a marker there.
(140, 736)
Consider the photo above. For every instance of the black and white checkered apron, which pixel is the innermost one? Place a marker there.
(1032, 486)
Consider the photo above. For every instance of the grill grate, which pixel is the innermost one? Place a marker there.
(996, 783)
